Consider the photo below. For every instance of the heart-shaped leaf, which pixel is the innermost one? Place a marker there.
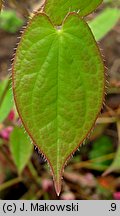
(57, 10)
(58, 85)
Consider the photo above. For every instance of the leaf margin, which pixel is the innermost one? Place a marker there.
(58, 185)
(81, 15)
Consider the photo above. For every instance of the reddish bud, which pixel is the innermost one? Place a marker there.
(11, 115)
(5, 133)
(47, 185)
(67, 196)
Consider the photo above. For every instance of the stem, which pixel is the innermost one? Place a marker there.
(5, 155)
(10, 183)
(106, 120)
(95, 167)
(88, 162)
(115, 164)
(34, 173)
(114, 90)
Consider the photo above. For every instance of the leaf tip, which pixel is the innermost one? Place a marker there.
(57, 187)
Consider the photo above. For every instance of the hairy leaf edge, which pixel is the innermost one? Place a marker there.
(56, 183)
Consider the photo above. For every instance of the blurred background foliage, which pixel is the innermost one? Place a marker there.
(94, 171)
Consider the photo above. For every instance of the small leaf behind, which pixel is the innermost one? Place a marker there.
(21, 148)
(100, 147)
(9, 21)
(5, 99)
(115, 166)
(104, 22)
(57, 10)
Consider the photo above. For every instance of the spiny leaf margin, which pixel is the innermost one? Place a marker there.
(58, 187)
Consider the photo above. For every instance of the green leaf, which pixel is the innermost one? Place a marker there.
(115, 165)
(108, 1)
(58, 85)
(57, 10)
(104, 22)
(20, 147)
(5, 99)
(100, 147)
(9, 21)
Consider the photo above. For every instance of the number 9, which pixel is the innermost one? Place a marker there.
(113, 207)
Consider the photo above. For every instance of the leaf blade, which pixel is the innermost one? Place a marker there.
(20, 147)
(57, 88)
(57, 10)
(6, 102)
(106, 21)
